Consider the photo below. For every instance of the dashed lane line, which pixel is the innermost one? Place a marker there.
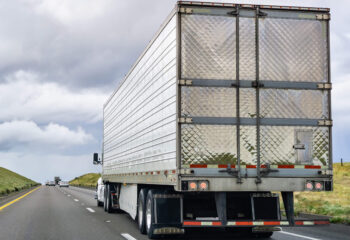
(90, 209)
(128, 236)
(13, 201)
(77, 200)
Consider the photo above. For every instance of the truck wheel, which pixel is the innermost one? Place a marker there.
(263, 234)
(99, 203)
(141, 215)
(150, 214)
(105, 198)
(109, 208)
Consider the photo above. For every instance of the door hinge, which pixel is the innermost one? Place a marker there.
(256, 84)
(183, 82)
(185, 120)
(323, 16)
(233, 12)
(261, 14)
(186, 10)
(324, 86)
(325, 122)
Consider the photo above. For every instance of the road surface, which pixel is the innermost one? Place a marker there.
(71, 213)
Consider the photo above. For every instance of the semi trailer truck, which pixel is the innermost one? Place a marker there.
(227, 111)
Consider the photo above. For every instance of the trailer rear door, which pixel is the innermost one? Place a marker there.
(255, 88)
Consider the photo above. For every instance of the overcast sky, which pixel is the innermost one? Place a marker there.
(61, 59)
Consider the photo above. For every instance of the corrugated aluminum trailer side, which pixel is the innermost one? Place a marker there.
(140, 117)
(228, 103)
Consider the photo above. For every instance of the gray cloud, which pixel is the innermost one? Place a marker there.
(27, 96)
(61, 59)
(77, 43)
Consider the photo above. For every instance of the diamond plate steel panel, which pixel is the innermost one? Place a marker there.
(247, 102)
(248, 145)
(208, 144)
(279, 103)
(208, 102)
(208, 47)
(247, 49)
(293, 50)
(276, 144)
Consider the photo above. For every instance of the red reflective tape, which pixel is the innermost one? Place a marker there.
(198, 166)
(250, 166)
(224, 166)
(263, 166)
(285, 166)
(299, 223)
(189, 223)
(272, 223)
(312, 167)
(321, 222)
(244, 223)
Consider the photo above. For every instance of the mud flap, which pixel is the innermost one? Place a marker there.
(288, 201)
(221, 206)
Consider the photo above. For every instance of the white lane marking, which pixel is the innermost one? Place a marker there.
(297, 235)
(68, 195)
(90, 209)
(76, 200)
(128, 236)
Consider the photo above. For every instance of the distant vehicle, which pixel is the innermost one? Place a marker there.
(47, 183)
(57, 180)
(51, 183)
(228, 105)
(99, 195)
(63, 184)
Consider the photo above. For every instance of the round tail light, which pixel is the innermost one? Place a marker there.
(318, 186)
(309, 186)
(192, 186)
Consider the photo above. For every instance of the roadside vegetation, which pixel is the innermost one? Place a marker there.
(12, 182)
(335, 204)
(86, 180)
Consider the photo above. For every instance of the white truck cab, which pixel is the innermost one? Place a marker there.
(100, 192)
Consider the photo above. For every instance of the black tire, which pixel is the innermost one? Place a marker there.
(105, 198)
(109, 208)
(99, 204)
(150, 215)
(264, 235)
(141, 207)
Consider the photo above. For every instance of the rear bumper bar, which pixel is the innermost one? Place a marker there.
(254, 223)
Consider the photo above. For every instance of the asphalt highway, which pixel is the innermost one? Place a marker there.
(71, 213)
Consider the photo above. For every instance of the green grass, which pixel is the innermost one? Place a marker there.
(86, 180)
(11, 182)
(335, 204)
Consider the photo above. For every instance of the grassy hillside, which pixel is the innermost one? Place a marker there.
(335, 204)
(11, 182)
(86, 180)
